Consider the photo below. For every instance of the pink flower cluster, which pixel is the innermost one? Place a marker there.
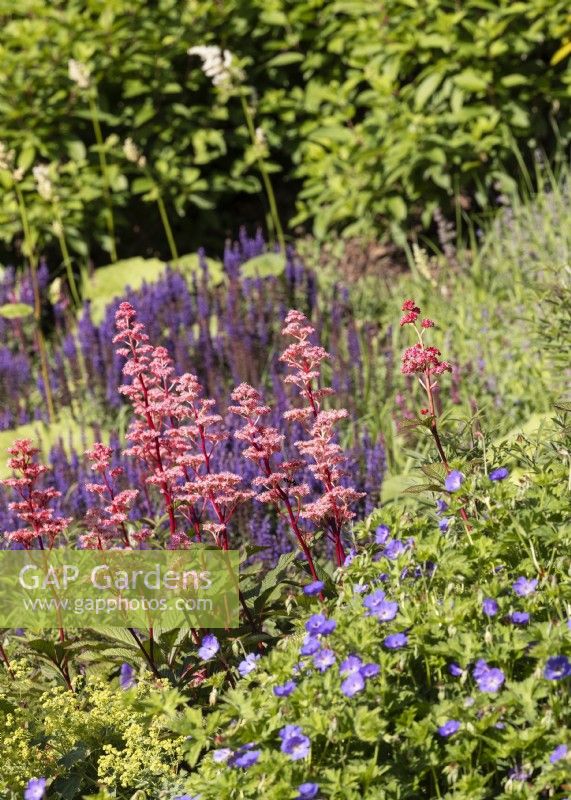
(33, 504)
(420, 358)
(173, 435)
(332, 510)
(104, 523)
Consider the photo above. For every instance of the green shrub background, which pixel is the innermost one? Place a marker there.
(377, 112)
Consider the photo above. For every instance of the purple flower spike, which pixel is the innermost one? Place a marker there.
(444, 524)
(557, 668)
(499, 474)
(453, 481)
(455, 669)
(449, 728)
(523, 587)
(313, 588)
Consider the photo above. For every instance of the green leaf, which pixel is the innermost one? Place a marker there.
(426, 89)
(283, 59)
(264, 266)
(396, 207)
(471, 81)
(16, 310)
(27, 157)
(419, 488)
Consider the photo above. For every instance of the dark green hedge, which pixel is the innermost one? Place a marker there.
(373, 112)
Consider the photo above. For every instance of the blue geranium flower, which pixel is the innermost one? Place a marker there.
(285, 689)
(307, 791)
(35, 789)
(313, 588)
(394, 641)
(208, 647)
(559, 753)
(557, 668)
(453, 481)
(382, 533)
(249, 664)
(295, 743)
(324, 659)
(449, 728)
(524, 586)
(490, 607)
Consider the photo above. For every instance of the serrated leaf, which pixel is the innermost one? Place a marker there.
(422, 487)
(436, 471)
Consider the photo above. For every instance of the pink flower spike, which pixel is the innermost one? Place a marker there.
(427, 323)
(32, 505)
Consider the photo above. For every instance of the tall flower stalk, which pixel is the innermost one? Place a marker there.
(135, 156)
(332, 509)
(258, 139)
(218, 65)
(424, 361)
(278, 481)
(279, 484)
(42, 349)
(80, 74)
(46, 191)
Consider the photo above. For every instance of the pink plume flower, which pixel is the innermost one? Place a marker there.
(33, 504)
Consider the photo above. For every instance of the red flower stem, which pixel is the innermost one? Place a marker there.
(124, 533)
(146, 655)
(334, 524)
(436, 437)
(150, 422)
(292, 520)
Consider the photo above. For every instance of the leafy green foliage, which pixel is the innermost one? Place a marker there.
(384, 742)
(379, 116)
